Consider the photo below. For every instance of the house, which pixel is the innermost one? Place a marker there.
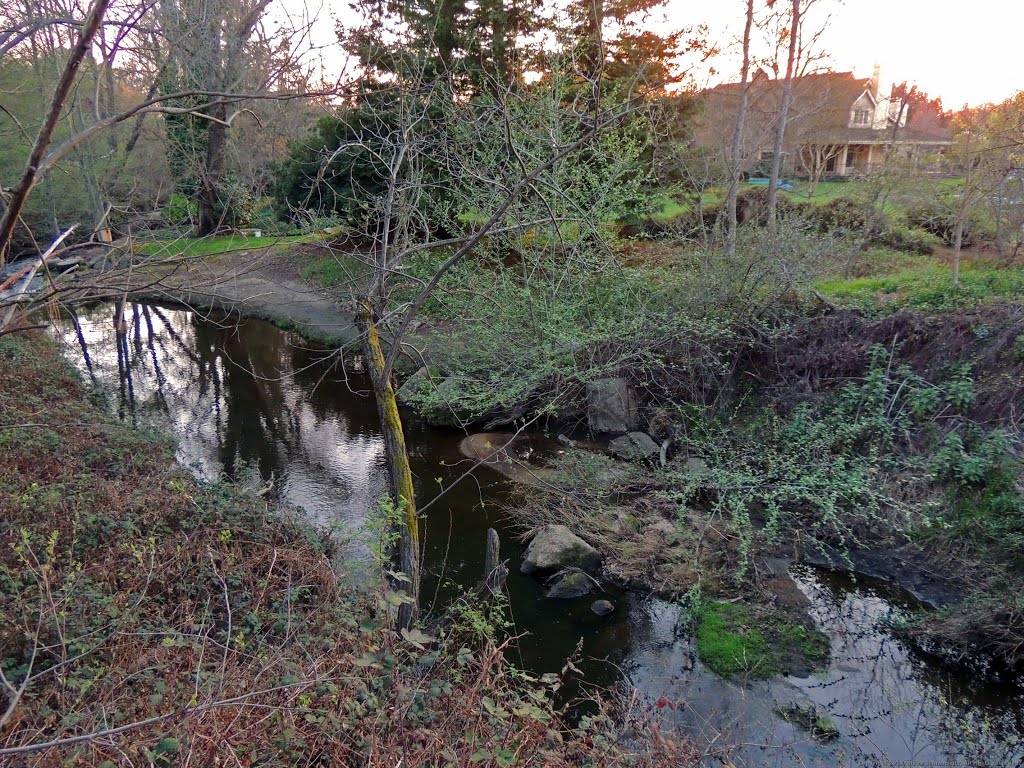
(839, 125)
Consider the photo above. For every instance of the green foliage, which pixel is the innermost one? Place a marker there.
(729, 644)
(939, 218)
(928, 287)
(527, 341)
(905, 238)
(734, 639)
(179, 210)
(973, 459)
(341, 168)
(825, 472)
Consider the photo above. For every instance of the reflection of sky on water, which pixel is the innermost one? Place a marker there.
(234, 403)
(899, 706)
(891, 706)
(257, 397)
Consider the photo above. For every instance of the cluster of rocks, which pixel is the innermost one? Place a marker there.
(612, 410)
(567, 563)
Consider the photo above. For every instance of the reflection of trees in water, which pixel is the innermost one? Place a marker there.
(236, 398)
(894, 701)
(202, 375)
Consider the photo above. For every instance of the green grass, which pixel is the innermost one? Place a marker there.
(730, 644)
(927, 286)
(211, 246)
(671, 208)
(732, 640)
(332, 270)
(825, 192)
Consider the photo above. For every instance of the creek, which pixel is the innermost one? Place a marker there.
(246, 399)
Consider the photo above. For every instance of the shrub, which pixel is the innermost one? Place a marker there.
(901, 237)
(939, 219)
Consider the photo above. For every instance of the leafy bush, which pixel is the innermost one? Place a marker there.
(939, 218)
(840, 214)
(908, 239)
(180, 210)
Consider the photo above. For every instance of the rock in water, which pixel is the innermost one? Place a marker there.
(602, 607)
(634, 445)
(571, 585)
(412, 387)
(556, 547)
(610, 407)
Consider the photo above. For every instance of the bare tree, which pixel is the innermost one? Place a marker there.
(735, 155)
(35, 160)
(799, 60)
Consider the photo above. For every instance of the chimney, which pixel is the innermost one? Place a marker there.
(876, 78)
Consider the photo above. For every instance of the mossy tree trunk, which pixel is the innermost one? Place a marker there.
(397, 456)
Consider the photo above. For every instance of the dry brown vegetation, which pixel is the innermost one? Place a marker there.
(148, 620)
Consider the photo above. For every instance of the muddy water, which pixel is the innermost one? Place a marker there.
(250, 400)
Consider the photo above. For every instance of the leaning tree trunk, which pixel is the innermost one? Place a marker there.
(67, 79)
(397, 456)
(780, 127)
(737, 138)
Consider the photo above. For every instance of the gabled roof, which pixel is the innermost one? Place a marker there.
(874, 136)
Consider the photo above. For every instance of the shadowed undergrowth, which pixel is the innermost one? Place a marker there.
(147, 619)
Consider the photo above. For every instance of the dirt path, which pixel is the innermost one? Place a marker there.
(263, 283)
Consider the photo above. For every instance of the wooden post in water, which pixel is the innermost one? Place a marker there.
(495, 572)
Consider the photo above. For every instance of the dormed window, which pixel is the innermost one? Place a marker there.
(861, 116)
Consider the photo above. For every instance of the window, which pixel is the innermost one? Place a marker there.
(861, 116)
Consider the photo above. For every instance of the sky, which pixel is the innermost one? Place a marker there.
(964, 52)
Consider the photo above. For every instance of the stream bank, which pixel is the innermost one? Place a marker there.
(255, 396)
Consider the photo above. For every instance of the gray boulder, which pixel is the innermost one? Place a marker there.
(447, 409)
(556, 547)
(572, 585)
(413, 386)
(666, 530)
(610, 407)
(634, 445)
(695, 466)
(602, 607)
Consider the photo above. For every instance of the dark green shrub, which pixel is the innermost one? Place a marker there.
(901, 237)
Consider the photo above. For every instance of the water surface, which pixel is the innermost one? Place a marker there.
(251, 400)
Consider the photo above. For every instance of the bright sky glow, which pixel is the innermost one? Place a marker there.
(964, 52)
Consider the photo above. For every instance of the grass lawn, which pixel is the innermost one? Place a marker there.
(927, 285)
(671, 208)
(825, 192)
(211, 246)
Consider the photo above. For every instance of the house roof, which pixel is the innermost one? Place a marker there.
(821, 109)
(875, 136)
(762, 79)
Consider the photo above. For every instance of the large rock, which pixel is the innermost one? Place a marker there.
(570, 586)
(602, 607)
(413, 387)
(447, 408)
(444, 407)
(556, 547)
(634, 445)
(610, 407)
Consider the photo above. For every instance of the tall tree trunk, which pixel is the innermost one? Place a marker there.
(780, 127)
(737, 138)
(397, 456)
(210, 214)
(60, 95)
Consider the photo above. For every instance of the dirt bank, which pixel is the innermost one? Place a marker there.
(265, 283)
